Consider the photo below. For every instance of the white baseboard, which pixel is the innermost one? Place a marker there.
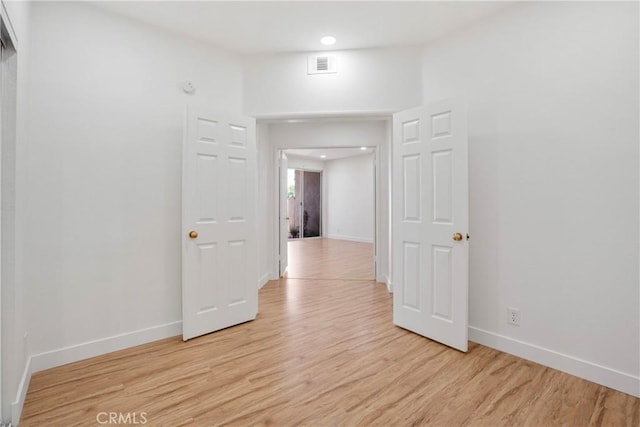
(598, 374)
(389, 284)
(264, 279)
(17, 405)
(74, 353)
(352, 238)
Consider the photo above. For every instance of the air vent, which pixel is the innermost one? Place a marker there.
(321, 64)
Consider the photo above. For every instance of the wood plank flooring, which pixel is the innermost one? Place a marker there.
(330, 259)
(321, 353)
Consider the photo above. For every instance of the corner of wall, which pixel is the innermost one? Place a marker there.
(18, 403)
(264, 279)
(85, 350)
(16, 371)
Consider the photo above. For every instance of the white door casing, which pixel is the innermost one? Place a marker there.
(219, 260)
(284, 224)
(431, 205)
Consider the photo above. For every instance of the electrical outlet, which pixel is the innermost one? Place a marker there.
(513, 316)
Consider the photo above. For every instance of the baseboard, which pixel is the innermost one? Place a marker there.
(264, 279)
(74, 353)
(352, 238)
(389, 284)
(598, 374)
(18, 404)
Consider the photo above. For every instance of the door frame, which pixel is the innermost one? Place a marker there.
(11, 368)
(379, 276)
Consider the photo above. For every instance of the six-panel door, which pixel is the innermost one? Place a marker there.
(430, 205)
(219, 286)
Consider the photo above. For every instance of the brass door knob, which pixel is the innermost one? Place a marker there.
(457, 237)
(193, 234)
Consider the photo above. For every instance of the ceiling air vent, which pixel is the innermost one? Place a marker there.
(321, 64)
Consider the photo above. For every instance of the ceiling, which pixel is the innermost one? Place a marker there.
(330, 153)
(270, 26)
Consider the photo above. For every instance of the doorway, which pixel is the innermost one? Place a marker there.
(311, 134)
(330, 207)
(304, 203)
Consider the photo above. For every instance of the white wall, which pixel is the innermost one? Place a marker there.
(553, 160)
(14, 346)
(102, 174)
(320, 134)
(367, 80)
(296, 162)
(349, 198)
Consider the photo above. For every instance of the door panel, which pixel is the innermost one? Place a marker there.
(443, 187)
(412, 191)
(237, 256)
(208, 290)
(219, 265)
(431, 204)
(442, 274)
(412, 275)
(237, 195)
(207, 170)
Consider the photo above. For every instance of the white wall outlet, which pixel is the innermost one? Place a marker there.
(513, 316)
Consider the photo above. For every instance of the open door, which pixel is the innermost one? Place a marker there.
(219, 247)
(431, 222)
(284, 219)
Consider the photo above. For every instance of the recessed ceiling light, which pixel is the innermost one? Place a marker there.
(323, 156)
(363, 148)
(328, 40)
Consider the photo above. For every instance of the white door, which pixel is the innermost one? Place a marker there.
(219, 248)
(284, 220)
(431, 221)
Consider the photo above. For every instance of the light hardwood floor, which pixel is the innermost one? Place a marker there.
(321, 353)
(330, 259)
